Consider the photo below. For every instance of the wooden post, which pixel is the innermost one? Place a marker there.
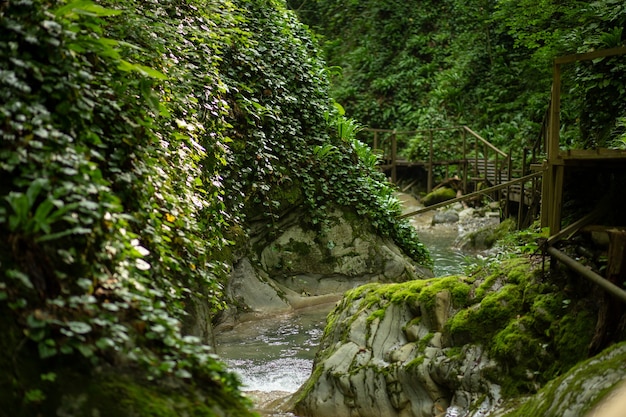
(497, 179)
(376, 141)
(485, 164)
(475, 168)
(464, 135)
(611, 309)
(552, 190)
(394, 150)
(522, 204)
(429, 185)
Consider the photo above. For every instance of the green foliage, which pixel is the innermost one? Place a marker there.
(484, 64)
(287, 133)
(112, 135)
(134, 139)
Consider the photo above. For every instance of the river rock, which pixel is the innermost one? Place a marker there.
(252, 287)
(459, 346)
(299, 267)
(443, 217)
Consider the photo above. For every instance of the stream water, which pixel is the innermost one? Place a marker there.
(274, 356)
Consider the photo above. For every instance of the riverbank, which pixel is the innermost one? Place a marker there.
(274, 355)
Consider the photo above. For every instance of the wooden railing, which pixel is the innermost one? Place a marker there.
(554, 163)
(474, 158)
(462, 153)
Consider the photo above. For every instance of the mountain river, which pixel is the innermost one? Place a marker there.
(274, 356)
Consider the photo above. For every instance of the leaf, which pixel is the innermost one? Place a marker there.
(105, 343)
(41, 216)
(67, 232)
(142, 69)
(21, 277)
(84, 7)
(86, 350)
(142, 265)
(34, 189)
(79, 327)
(50, 376)
(183, 373)
(47, 348)
(21, 209)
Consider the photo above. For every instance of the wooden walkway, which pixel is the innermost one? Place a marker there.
(475, 165)
(482, 169)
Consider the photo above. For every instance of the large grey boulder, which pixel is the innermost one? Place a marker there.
(299, 267)
(461, 346)
(386, 357)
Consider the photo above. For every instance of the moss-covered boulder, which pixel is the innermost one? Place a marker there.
(460, 343)
(439, 195)
(580, 390)
(486, 237)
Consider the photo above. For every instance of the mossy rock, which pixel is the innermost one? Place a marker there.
(524, 324)
(439, 195)
(487, 237)
(578, 391)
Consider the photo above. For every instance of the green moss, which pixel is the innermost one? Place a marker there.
(486, 286)
(457, 285)
(545, 402)
(480, 322)
(424, 341)
(376, 315)
(438, 195)
(547, 309)
(413, 364)
(572, 336)
(453, 352)
(520, 350)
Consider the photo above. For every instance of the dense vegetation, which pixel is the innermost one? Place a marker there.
(433, 64)
(137, 139)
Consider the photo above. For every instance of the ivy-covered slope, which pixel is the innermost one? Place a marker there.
(432, 64)
(137, 139)
(290, 145)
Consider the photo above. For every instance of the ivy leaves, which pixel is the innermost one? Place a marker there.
(291, 143)
(113, 210)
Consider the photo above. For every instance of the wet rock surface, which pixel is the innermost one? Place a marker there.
(299, 268)
(383, 358)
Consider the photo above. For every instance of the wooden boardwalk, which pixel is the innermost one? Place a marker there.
(482, 168)
(475, 165)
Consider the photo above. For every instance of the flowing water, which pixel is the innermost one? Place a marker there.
(274, 356)
(274, 353)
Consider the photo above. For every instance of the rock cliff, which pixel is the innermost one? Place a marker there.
(298, 267)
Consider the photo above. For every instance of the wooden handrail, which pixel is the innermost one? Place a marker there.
(484, 141)
(474, 194)
(406, 132)
(603, 53)
(588, 273)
